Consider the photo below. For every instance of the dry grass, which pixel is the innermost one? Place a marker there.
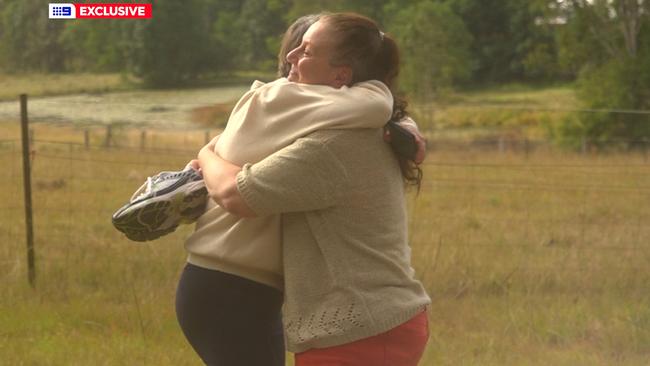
(535, 261)
(538, 259)
(56, 84)
(515, 110)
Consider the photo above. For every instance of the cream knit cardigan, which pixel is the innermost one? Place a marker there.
(347, 262)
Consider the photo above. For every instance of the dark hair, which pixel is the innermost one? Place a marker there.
(372, 55)
(292, 39)
(411, 172)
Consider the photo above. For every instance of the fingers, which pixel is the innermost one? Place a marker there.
(386, 135)
(194, 164)
(421, 154)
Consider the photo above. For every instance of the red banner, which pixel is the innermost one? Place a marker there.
(113, 11)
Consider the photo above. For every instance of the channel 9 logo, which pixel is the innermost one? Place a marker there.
(100, 10)
(62, 11)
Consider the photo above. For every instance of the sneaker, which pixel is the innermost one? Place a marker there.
(162, 203)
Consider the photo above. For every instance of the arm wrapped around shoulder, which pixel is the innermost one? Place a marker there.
(368, 104)
(304, 176)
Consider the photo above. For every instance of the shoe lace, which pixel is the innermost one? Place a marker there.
(144, 190)
(148, 186)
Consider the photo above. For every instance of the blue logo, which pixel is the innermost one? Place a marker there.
(65, 11)
(62, 11)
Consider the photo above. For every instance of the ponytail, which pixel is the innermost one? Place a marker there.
(372, 55)
(411, 172)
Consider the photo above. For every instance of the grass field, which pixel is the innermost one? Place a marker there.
(531, 259)
(39, 85)
(516, 111)
(56, 84)
(511, 110)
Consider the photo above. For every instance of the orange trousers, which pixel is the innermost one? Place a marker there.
(400, 346)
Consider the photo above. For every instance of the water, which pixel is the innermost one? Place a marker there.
(143, 108)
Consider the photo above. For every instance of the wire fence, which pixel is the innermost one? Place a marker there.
(486, 206)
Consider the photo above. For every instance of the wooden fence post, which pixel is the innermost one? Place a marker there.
(526, 147)
(109, 136)
(143, 139)
(27, 187)
(86, 139)
(502, 145)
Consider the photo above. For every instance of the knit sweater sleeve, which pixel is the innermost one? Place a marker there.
(304, 176)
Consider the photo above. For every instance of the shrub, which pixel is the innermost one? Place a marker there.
(614, 96)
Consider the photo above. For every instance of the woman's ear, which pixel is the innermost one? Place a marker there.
(342, 76)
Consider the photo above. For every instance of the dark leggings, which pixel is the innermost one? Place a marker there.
(230, 320)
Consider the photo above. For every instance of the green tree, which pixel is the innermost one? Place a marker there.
(614, 73)
(100, 46)
(511, 40)
(262, 22)
(371, 8)
(30, 41)
(249, 32)
(173, 48)
(597, 31)
(434, 44)
(536, 56)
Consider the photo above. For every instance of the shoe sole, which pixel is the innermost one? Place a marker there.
(160, 215)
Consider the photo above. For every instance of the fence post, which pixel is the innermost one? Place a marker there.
(502, 145)
(207, 136)
(109, 135)
(86, 139)
(27, 188)
(526, 147)
(143, 139)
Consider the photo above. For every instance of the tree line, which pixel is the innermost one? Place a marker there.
(602, 45)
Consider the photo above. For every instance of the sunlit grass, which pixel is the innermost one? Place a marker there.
(510, 110)
(530, 259)
(99, 298)
(535, 261)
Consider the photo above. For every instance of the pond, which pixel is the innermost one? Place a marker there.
(142, 108)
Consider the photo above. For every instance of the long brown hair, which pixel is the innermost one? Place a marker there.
(372, 55)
